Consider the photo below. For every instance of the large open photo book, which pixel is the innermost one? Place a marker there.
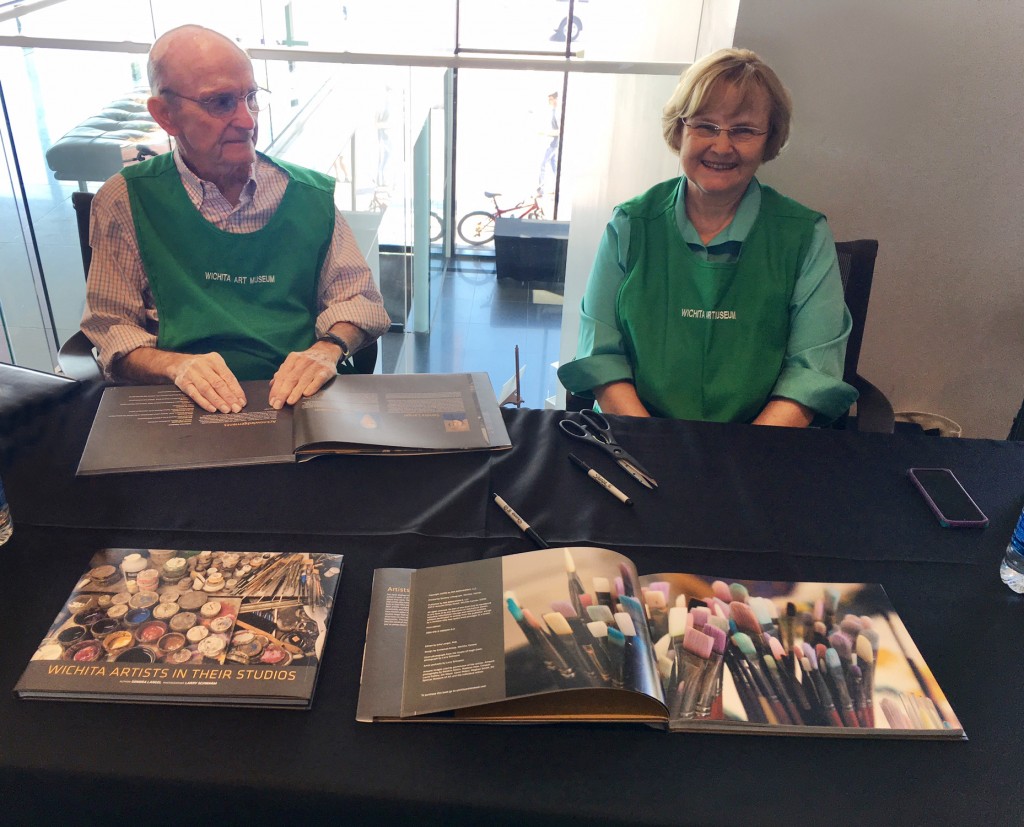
(189, 627)
(157, 427)
(575, 634)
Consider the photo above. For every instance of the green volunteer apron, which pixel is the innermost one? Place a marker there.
(708, 342)
(249, 296)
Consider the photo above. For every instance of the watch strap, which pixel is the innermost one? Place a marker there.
(336, 340)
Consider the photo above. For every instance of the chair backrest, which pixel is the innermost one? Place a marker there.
(1017, 428)
(857, 267)
(82, 202)
(364, 361)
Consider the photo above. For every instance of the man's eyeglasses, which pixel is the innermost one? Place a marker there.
(225, 103)
(710, 131)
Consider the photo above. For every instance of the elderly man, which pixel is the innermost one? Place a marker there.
(216, 264)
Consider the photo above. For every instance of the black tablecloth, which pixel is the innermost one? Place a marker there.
(802, 492)
(734, 500)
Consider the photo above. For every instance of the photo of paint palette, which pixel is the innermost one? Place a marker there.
(177, 626)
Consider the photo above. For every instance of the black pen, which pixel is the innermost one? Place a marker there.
(596, 477)
(519, 521)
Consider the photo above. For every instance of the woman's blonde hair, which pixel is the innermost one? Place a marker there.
(741, 69)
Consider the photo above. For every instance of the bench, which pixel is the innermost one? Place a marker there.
(123, 132)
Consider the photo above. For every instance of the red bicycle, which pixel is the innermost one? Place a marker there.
(477, 227)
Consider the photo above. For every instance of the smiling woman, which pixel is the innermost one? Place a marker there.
(711, 296)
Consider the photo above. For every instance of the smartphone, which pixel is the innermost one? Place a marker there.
(947, 498)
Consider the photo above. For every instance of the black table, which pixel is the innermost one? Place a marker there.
(737, 501)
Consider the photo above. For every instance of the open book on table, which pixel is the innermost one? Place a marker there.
(157, 427)
(574, 634)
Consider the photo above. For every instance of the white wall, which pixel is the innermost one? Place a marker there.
(613, 150)
(613, 147)
(909, 129)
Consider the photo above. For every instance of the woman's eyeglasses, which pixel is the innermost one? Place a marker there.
(736, 134)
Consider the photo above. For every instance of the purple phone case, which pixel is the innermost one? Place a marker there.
(945, 521)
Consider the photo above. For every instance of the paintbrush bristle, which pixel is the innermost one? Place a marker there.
(563, 607)
(676, 621)
(761, 611)
(842, 645)
(625, 624)
(698, 643)
(745, 618)
(718, 638)
(851, 626)
(654, 598)
(737, 591)
(865, 652)
(717, 622)
(744, 643)
(557, 623)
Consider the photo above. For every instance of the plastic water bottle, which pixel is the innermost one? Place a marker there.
(6, 526)
(1012, 568)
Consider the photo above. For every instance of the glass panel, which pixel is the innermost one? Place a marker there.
(48, 96)
(87, 20)
(520, 25)
(505, 146)
(656, 31)
(382, 26)
(24, 332)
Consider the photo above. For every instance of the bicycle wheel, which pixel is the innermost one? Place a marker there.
(536, 214)
(436, 227)
(476, 227)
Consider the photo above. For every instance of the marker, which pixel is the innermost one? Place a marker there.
(596, 477)
(519, 521)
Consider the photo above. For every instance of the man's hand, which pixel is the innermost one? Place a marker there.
(204, 377)
(209, 382)
(303, 373)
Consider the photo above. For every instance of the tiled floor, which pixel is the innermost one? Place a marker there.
(477, 322)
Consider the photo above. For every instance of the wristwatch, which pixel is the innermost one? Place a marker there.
(336, 340)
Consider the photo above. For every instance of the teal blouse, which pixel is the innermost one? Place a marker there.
(819, 322)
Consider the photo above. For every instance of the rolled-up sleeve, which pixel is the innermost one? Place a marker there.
(120, 315)
(347, 292)
(600, 351)
(820, 324)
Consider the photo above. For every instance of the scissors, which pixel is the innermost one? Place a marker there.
(596, 430)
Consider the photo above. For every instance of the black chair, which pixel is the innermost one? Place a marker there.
(77, 357)
(857, 268)
(1017, 428)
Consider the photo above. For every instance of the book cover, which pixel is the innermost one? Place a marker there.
(189, 627)
(157, 427)
(574, 634)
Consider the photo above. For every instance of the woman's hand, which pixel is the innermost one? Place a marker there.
(785, 412)
(620, 398)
